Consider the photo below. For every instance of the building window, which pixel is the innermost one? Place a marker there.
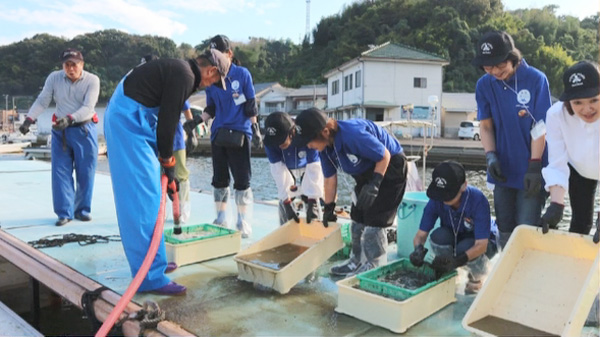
(348, 80)
(335, 87)
(420, 82)
(272, 107)
(357, 78)
(303, 105)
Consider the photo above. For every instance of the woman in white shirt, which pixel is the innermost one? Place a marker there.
(573, 148)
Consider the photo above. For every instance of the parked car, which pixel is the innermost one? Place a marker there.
(469, 130)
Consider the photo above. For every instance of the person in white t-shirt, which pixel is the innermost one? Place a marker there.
(574, 145)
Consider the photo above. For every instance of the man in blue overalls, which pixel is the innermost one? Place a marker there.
(292, 166)
(140, 124)
(74, 135)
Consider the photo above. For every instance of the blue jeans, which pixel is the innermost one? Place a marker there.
(513, 209)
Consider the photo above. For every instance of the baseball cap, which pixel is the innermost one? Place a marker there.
(447, 179)
(309, 124)
(219, 60)
(221, 43)
(278, 126)
(493, 48)
(71, 54)
(581, 81)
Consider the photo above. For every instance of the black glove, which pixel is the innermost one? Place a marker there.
(257, 141)
(329, 214)
(443, 264)
(290, 213)
(418, 255)
(311, 213)
(533, 178)
(168, 167)
(24, 128)
(369, 192)
(190, 125)
(493, 167)
(63, 123)
(552, 217)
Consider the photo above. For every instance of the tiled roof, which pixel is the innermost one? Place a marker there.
(398, 51)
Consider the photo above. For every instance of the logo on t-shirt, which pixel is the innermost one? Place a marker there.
(235, 85)
(524, 96)
(352, 158)
(468, 223)
(486, 48)
(576, 79)
(302, 154)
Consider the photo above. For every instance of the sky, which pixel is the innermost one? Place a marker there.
(192, 21)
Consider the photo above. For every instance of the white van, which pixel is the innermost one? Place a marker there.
(469, 130)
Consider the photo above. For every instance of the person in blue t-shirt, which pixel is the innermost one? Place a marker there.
(376, 161)
(296, 170)
(233, 107)
(512, 100)
(466, 235)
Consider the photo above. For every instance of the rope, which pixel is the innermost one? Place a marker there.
(87, 304)
(149, 316)
(58, 240)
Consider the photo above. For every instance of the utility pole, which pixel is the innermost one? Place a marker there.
(307, 33)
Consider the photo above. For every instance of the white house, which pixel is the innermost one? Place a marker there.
(389, 82)
(307, 96)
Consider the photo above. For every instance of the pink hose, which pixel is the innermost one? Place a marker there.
(141, 274)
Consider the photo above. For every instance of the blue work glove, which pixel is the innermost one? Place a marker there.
(168, 167)
(329, 214)
(493, 167)
(311, 210)
(290, 213)
(552, 217)
(257, 141)
(533, 178)
(443, 264)
(418, 255)
(190, 125)
(369, 192)
(24, 128)
(63, 123)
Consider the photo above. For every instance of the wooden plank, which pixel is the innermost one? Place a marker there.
(70, 284)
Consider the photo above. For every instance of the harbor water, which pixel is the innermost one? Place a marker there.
(264, 189)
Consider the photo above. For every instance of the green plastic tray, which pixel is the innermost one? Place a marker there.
(214, 231)
(344, 253)
(369, 280)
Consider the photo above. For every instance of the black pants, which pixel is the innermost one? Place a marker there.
(385, 208)
(235, 159)
(581, 193)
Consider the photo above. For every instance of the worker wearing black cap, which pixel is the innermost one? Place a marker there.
(296, 170)
(376, 161)
(466, 235)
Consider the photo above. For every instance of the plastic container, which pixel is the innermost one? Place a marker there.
(316, 242)
(409, 217)
(344, 253)
(391, 314)
(543, 284)
(369, 281)
(211, 242)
